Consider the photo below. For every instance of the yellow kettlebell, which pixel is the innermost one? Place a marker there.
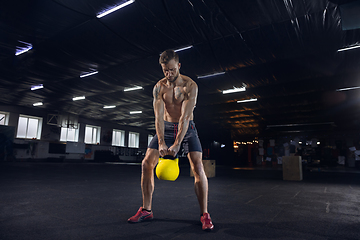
(168, 168)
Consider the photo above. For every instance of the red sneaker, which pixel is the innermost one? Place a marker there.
(141, 216)
(207, 225)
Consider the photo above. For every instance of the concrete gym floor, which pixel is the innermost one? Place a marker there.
(93, 201)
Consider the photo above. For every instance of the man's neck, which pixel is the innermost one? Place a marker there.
(177, 81)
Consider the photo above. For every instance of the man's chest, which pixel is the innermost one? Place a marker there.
(175, 95)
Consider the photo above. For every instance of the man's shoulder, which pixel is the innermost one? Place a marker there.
(158, 88)
(161, 82)
(186, 78)
(188, 81)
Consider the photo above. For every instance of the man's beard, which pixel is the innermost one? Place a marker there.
(176, 77)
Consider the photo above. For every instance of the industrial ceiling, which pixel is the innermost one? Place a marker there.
(284, 51)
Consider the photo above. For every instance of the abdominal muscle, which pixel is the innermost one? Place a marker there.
(172, 112)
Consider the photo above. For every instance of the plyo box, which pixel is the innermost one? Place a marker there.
(292, 168)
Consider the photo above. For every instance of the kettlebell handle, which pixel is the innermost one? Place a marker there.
(169, 157)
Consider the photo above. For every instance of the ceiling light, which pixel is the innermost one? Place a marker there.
(211, 75)
(21, 50)
(300, 124)
(345, 89)
(132, 88)
(135, 112)
(184, 48)
(36, 87)
(115, 8)
(109, 107)
(38, 104)
(248, 100)
(78, 98)
(348, 48)
(88, 74)
(235, 89)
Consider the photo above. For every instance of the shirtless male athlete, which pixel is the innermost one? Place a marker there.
(174, 101)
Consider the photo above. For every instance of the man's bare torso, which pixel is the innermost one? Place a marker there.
(174, 95)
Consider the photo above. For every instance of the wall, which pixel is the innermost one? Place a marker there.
(27, 149)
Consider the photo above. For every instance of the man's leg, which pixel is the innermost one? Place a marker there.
(147, 186)
(147, 176)
(201, 182)
(201, 188)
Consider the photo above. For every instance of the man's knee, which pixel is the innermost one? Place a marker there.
(146, 164)
(196, 162)
(198, 168)
(150, 160)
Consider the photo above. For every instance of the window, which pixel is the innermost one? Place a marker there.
(133, 140)
(29, 127)
(92, 134)
(150, 137)
(4, 118)
(69, 134)
(118, 138)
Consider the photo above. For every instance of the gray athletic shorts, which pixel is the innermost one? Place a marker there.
(190, 143)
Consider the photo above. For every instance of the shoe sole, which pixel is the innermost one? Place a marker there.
(208, 229)
(142, 219)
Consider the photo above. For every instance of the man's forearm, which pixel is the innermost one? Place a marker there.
(182, 129)
(159, 126)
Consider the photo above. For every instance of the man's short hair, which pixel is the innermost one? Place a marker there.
(167, 56)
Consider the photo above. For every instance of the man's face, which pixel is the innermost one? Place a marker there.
(171, 70)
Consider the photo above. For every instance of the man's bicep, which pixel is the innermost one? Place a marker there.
(158, 102)
(188, 107)
(156, 92)
(158, 107)
(190, 102)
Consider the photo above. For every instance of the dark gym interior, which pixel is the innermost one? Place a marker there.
(76, 117)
